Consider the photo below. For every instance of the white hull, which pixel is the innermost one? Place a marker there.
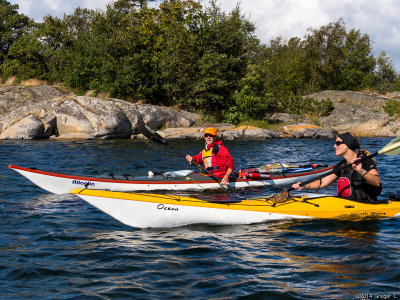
(155, 210)
(150, 214)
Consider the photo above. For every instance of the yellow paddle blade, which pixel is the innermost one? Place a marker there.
(391, 148)
(282, 166)
(273, 166)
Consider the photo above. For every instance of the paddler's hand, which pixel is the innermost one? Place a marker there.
(225, 180)
(356, 167)
(297, 186)
(189, 159)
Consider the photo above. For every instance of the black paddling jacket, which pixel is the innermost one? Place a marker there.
(351, 185)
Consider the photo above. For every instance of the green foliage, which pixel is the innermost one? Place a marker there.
(38, 52)
(358, 60)
(307, 106)
(251, 100)
(392, 108)
(387, 78)
(27, 59)
(262, 124)
(203, 57)
(323, 107)
(184, 55)
(12, 26)
(180, 53)
(286, 70)
(325, 54)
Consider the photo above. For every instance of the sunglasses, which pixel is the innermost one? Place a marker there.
(209, 135)
(338, 143)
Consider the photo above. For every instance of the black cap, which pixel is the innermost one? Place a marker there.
(351, 142)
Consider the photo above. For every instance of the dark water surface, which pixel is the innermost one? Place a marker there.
(60, 247)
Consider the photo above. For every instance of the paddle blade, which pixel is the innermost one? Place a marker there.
(391, 148)
(148, 132)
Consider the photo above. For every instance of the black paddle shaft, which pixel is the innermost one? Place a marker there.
(155, 137)
(196, 164)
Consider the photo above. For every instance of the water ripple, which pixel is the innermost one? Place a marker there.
(59, 247)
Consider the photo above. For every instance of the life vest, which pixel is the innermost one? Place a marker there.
(209, 159)
(216, 161)
(351, 185)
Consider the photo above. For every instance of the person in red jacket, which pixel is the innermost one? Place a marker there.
(215, 157)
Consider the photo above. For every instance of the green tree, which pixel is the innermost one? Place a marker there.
(180, 51)
(12, 26)
(195, 58)
(204, 57)
(287, 68)
(56, 40)
(223, 63)
(386, 73)
(80, 52)
(325, 54)
(25, 58)
(251, 100)
(116, 51)
(359, 61)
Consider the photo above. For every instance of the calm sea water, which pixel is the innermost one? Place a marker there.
(60, 247)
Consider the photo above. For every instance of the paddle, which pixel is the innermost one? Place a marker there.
(391, 148)
(155, 137)
(290, 166)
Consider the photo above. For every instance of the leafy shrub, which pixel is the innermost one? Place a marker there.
(265, 124)
(392, 107)
(307, 106)
(324, 107)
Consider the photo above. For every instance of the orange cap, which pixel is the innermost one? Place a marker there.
(211, 130)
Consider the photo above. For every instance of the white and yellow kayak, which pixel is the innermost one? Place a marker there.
(155, 210)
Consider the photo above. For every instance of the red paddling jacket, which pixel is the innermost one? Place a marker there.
(215, 158)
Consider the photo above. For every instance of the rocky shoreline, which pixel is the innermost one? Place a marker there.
(45, 112)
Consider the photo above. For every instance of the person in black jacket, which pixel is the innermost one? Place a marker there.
(360, 182)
